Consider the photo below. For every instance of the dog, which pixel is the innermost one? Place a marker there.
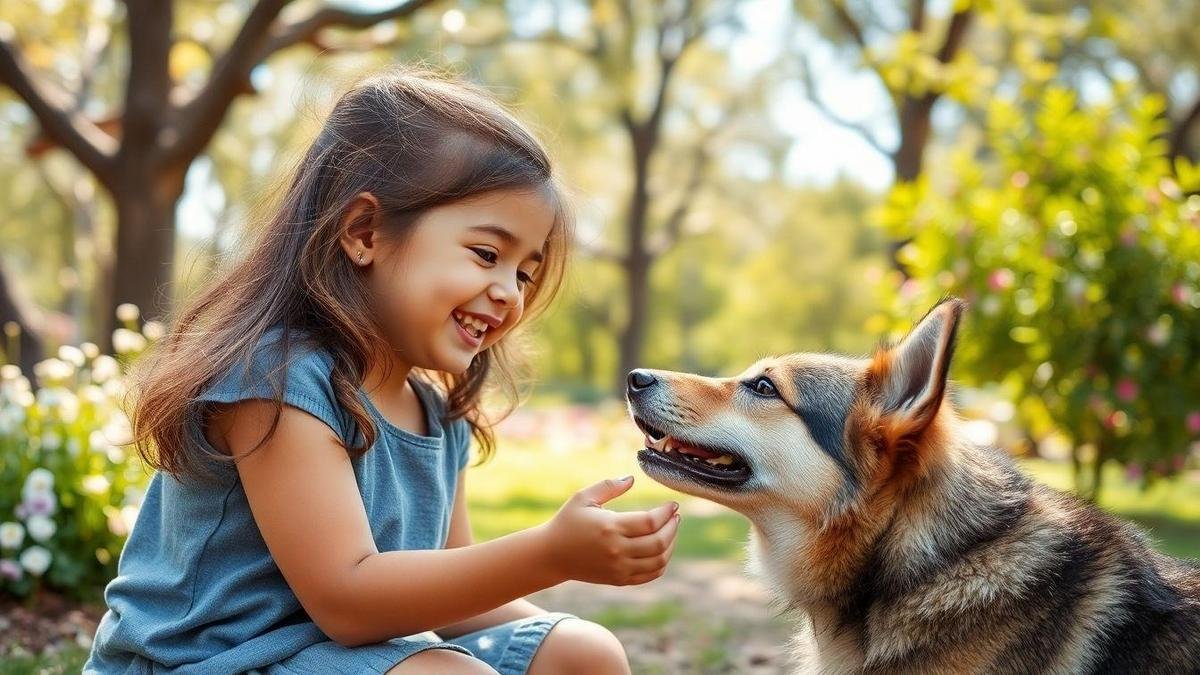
(896, 543)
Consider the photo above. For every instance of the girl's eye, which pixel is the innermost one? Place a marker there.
(763, 387)
(524, 279)
(487, 255)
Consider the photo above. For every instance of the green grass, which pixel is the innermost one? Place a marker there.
(525, 485)
(69, 660)
(1170, 510)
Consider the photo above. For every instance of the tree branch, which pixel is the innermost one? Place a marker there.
(149, 82)
(954, 35)
(849, 23)
(1182, 129)
(810, 89)
(257, 40)
(83, 139)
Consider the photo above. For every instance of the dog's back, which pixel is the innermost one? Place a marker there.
(1022, 579)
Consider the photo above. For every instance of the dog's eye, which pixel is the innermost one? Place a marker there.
(763, 387)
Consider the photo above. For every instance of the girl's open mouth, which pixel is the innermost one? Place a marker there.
(471, 330)
(715, 466)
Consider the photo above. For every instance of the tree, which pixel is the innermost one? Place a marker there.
(141, 153)
(1078, 251)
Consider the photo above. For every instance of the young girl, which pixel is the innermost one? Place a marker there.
(310, 417)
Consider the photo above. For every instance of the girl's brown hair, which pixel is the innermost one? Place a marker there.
(415, 141)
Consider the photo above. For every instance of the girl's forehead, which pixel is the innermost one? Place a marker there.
(528, 216)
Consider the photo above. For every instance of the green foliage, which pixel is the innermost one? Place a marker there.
(69, 493)
(1080, 254)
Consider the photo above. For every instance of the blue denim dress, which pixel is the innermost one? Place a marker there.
(196, 589)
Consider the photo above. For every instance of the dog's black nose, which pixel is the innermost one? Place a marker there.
(639, 380)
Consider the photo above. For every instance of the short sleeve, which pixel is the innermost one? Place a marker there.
(460, 440)
(304, 381)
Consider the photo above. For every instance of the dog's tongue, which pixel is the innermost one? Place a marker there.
(690, 450)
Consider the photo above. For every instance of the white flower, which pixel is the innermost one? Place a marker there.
(40, 528)
(104, 368)
(92, 394)
(125, 341)
(114, 388)
(51, 441)
(72, 355)
(38, 480)
(154, 329)
(95, 484)
(53, 369)
(11, 535)
(90, 349)
(118, 430)
(120, 522)
(9, 372)
(127, 312)
(35, 560)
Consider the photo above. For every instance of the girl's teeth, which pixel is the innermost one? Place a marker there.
(474, 325)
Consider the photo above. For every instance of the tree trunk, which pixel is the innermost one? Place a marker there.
(637, 261)
(28, 344)
(145, 250)
(915, 121)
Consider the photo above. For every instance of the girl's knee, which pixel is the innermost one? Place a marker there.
(438, 661)
(578, 646)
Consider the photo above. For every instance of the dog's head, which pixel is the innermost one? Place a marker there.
(809, 432)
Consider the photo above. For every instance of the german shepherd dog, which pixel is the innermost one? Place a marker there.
(900, 546)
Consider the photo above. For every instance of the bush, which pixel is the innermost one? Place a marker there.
(1079, 250)
(70, 485)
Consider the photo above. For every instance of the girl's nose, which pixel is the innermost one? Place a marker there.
(504, 294)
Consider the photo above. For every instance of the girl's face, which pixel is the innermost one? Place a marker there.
(456, 285)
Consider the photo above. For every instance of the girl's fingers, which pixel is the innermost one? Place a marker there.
(649, 545)
(640, 523)
(654, 562)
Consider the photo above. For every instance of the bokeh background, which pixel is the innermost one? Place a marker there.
(752, 177)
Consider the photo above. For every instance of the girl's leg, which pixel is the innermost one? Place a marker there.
(441, 662)
(581, 648)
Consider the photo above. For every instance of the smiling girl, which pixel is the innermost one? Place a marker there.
(309, 418)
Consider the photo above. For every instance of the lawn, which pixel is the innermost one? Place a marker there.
(558, 451)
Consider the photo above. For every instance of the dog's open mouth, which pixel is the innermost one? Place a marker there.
(706, 464)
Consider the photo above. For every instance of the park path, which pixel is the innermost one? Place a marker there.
(701, 616)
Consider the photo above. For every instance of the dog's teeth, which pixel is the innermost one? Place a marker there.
(723, 460)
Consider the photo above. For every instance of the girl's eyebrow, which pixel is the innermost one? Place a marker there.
(508, 237)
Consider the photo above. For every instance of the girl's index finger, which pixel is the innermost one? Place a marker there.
(641, 523)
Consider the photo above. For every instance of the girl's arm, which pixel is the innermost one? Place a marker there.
(460, 535)
(305, 501)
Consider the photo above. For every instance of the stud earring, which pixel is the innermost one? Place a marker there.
(360, 255)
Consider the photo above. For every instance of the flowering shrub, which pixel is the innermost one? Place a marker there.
(1079, 248)
(70, 485)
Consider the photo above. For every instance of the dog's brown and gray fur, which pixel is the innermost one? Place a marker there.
(899, 545)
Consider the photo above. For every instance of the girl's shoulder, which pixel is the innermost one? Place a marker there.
(290, 367)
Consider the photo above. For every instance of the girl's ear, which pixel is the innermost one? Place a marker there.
(358, 226)
(914, 372)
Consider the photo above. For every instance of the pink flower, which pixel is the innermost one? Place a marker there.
(1181, 294)
(1129, 237)
(1133, 471)
(1127, 389)
(1000, 279)
(1193, 422)
(10, 569)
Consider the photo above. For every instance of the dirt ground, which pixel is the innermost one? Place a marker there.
(702, 616)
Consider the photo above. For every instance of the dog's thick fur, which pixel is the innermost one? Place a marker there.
(899, 545)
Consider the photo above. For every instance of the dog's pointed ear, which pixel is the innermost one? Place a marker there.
(913, 373)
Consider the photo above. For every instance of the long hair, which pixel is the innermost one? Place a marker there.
(415, 141)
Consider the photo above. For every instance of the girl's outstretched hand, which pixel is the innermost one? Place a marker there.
(586, 541)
